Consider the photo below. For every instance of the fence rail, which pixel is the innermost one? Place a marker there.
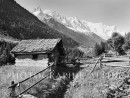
(14, 85)
(33, 85)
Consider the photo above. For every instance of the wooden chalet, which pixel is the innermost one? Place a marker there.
(38, 52)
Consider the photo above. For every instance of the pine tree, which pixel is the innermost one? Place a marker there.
(96, 50)
(5, 56)
(102, 46)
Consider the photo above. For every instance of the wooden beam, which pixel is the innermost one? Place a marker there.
(32, 75)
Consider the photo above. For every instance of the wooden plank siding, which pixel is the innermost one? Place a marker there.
(27, 60)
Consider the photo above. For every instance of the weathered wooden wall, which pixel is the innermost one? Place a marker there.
(26, 60)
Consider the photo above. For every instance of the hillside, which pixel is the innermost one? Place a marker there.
(88, 39)
(18, 23)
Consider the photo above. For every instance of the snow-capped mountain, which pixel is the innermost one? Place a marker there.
(70, 22)
(71, 27)
(75, 24)
(82, 26)
(102, 30)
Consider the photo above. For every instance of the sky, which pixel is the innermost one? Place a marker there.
(109, 12)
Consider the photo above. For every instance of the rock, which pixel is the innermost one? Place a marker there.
(127, 80)
(113, 87)
(27, 96)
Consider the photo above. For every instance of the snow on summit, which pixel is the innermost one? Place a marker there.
(75, 24)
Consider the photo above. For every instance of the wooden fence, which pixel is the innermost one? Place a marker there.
(14, 85)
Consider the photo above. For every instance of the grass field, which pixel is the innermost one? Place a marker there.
(83, 85)
(96, 85)
(12, 73)
(48, 88)
(121, 61)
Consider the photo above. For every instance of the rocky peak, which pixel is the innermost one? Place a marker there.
(75, 24)
(37, 11)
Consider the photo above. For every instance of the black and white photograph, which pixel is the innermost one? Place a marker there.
(64, 48)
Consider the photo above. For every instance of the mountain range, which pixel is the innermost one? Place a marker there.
(55, 21)
(18, 23)
(75, 24)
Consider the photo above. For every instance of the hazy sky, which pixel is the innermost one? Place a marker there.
(110, 12)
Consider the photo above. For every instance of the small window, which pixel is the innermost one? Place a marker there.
(34, 56)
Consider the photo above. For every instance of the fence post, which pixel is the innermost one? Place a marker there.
(50, 70)
(100, 61)
(129, 60)
(12, 90)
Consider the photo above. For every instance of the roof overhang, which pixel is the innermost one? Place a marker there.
(31, 53)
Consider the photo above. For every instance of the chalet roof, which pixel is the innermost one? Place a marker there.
(35, 45)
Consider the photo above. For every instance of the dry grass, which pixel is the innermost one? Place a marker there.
(48, 88)
(13, 73)
(96, 84)
(121, 60)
